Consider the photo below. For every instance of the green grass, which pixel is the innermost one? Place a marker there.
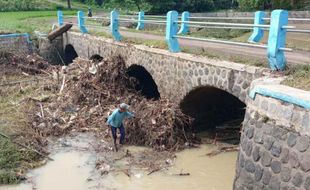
(227, 34)
(14, 122)
(298, 77)
(28, 21)
(220, 56)
(297, 41)
(10, 159)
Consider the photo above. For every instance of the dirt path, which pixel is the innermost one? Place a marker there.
(295, 57)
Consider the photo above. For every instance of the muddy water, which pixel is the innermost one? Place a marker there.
(73, 169)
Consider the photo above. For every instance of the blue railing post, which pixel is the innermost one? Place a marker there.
(277, 39)
(114, 26)
(140, 21)
(184, 26)
(171, 31)
(258, 33)
(81, 22)
(60, 18)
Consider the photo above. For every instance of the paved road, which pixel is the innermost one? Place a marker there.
(295, 57)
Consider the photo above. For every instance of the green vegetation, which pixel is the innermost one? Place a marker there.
(11, 157)
(155, 6)
(14, 122)
(28, 21)
(219, 33)
(298, 77)
(220, 56)
(273, 4)
(32, 5)
(25, 5)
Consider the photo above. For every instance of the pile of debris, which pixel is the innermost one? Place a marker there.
(12, 63)
(91, 91)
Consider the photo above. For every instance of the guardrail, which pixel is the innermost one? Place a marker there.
(177, 27)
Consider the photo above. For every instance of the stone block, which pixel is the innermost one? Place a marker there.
(293, 159)
(236, 90)
(276, 149)
(286, 174)
(218, 71)
(264, 105)
(245, 85)
(296, 118)
(249, 166)
(274, 183)
(248, 149)
(275, 166)
(241, 159)
(284, 157)
(223, 74)
(305, 121)
(287, 187)
(307, 183)
(268, 142)
(266, 159)
(291, 140)
(297, 179)
(305, 162)
(250, 132)
(259, 123)
(244, 142)
(245, 181)
(279, 133)
(266, 177)
(302, 143)
(258, 172)
(206, 71)
(272, 108)
(256, 154)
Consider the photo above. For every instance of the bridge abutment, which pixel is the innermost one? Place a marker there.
(274, 146)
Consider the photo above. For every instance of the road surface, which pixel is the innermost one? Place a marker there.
(295, 57)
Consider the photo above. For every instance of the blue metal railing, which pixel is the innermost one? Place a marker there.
(178, 27)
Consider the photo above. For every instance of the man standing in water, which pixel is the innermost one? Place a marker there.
(115, 121)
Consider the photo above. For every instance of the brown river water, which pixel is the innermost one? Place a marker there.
(75, 170)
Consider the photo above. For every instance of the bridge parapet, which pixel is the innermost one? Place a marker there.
(278, 28)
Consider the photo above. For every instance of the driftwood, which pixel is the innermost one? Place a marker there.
(182, 174)
(223, 149)
(59, 31)
(154, 170)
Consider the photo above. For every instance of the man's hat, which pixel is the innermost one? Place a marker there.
(124, 106)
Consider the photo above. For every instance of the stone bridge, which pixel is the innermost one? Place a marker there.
(175, 74)
(275, 144)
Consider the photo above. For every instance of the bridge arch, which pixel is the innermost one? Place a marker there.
(69, 54)
(146, 83)
(211, 107)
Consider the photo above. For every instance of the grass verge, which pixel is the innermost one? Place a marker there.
(28, 21)
(298, 77)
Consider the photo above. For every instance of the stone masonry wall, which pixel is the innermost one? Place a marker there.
(175, 74)
(274, 148)
(51, 51)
